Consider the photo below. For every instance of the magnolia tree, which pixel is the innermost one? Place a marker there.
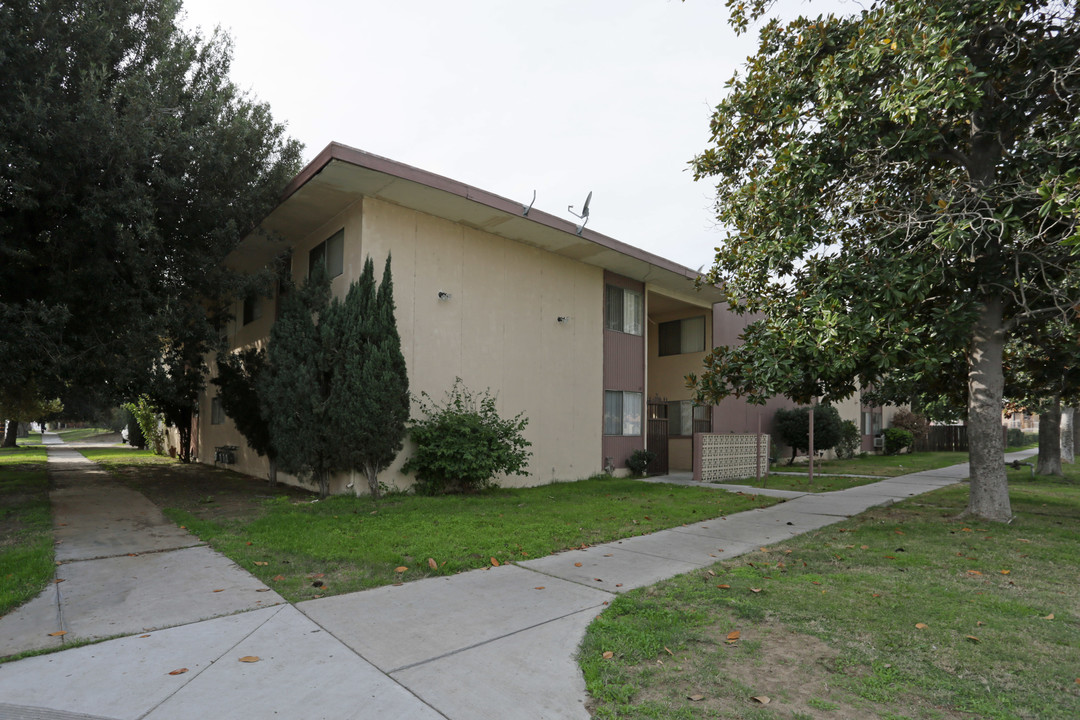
(900, 189)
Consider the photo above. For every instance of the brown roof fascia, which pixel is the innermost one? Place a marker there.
(344, 153)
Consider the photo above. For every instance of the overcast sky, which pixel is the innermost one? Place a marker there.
(562, 97)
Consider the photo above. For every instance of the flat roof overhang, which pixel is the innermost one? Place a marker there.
(340, 175)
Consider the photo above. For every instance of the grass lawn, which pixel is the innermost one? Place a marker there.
(880, 465)
(26, 546)
(80, 434)
(900, 612)
(822, 483)
(347, 543)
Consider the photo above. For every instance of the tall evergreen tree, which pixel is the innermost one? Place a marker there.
(130, 165)
(295, 393)
(370, 386)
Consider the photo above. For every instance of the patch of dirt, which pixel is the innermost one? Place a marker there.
(769, 668)
(205, 491)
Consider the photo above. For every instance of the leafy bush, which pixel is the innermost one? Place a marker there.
(896, 439)
(913, 422)
(149, 421)
(793, 427)
(463, 444)
(850, 440)
(639, 460)
(1014, 437)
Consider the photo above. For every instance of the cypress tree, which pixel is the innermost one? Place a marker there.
(370, 387)
(295, 395)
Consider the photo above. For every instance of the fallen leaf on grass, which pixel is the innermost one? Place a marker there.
(250, 658)
(400, 569)
(733, 636)
(864, 547)
(260, 563)
(58, 633)
(921, 626)
(668, 651)
(724, 587)
(763, 699)
(755, 590)
(608, 655)
(979, 623)
(494, 562)
(58, 580)
(695, 698)
(875, 594)
(1049, 617)
(432, 564)
(178, 671)
(973, 572)
(972, 638)
(1004, 572)
(278, 578)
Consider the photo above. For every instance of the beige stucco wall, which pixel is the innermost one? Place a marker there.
(497, 330)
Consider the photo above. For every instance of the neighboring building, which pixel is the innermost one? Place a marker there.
(588, 336)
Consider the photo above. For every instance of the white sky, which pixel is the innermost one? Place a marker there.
(558, 96)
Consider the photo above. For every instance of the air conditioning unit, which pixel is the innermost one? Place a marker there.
(879, 442)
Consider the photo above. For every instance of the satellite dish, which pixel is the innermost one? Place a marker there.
(584, 212)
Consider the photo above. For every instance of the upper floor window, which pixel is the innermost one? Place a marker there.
(682, 336)
(624, 310)
(330, 254)
(252, 309)
(217, 412)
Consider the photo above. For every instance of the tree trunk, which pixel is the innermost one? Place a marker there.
(1050, 439)
(372, 480)
(184, 434)
(324, 484)
(1068, 435)
(989, 495)
(273, 469)
(12, 433)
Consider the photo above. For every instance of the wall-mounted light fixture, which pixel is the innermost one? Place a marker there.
(444, 295)
(563, 319)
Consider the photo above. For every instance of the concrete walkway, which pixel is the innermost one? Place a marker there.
(493, 643)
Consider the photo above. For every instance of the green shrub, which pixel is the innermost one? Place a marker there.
(639, 461)
(1014, 437)
(149, 422)
(913, 422)
(850, 440)
(793, 427)
(896, 439)
(463, 444)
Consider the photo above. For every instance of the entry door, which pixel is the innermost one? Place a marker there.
(657, 438)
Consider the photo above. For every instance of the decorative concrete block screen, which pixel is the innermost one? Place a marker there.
(729, 457)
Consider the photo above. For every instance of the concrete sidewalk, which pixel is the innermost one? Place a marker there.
(494, 643)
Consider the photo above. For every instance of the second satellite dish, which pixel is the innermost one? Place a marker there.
(584, 212)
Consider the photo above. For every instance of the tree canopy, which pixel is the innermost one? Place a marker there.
(130, 165)
(900, 189)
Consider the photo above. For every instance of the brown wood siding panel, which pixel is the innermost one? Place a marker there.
(620, 448)
(624, 362)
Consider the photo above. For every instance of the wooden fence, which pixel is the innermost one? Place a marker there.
(950, 438)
